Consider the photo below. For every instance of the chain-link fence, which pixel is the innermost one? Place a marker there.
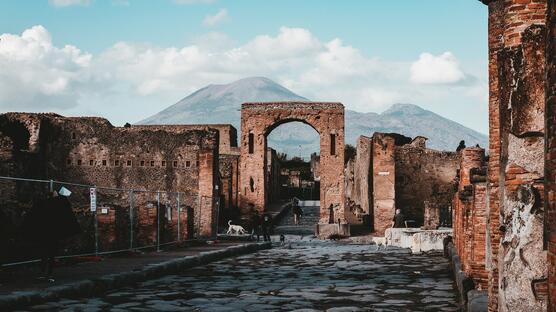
(112, 220)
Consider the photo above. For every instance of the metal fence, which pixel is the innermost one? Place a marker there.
(124, 219)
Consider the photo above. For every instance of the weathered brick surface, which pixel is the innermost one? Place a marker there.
(424, 175)
(91, 151)
(259, 119)
(550, 160)
(469, 224)
(515, 255)
(383, 177)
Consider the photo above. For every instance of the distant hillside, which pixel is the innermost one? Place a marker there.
(222, 104)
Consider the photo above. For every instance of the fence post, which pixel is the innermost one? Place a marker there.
(179, 218)
(197, 216)
(131, 219)
(51, 186)
(96, 227)
(158, 221)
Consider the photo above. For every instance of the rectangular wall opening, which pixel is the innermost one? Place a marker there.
(251, 143)
(332, 144)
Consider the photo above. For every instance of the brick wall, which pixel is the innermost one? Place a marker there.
(516, 172)
(383, 175)
(91, 151)
(470, 215)
(550, 163)
(424, 175)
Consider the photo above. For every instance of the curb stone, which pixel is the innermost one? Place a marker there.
(100, 285)
(473, 300)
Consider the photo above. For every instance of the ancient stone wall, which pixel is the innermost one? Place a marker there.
(424, 175)
(383, 177)
(259, 119)
(358, 187)
(90, 151)
(550, 224)
(469, 209)
(517, 259)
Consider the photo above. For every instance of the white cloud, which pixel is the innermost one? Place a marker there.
(441, 69)
(130, 81)
(65, 3)
(35, 74)
(218, 18)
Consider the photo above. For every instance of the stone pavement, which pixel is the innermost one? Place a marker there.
(307, 275)
(25, 278)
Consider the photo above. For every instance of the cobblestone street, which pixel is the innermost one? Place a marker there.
(311, 275)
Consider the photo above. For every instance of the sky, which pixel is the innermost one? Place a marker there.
(128, 59)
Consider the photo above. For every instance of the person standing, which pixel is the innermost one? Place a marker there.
(399, 220)
(297, 213)
(266, 226)
(256, 222)
(47, 223)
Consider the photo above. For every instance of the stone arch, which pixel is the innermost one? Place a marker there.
(259, 119)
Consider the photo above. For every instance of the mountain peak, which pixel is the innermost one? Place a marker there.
(401, 108)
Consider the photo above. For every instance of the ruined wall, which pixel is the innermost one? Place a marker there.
(227, 134)
(383, 177)
(273, 169)
(517, 35)
(91, 151)
(424, 175)
(469, 209)
(358, 187)
(259, 119)
(550, 163)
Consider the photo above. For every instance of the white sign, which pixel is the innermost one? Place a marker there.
(93, 193)
(383, 173)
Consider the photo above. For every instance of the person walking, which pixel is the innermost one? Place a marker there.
(297, 213)
(49, 222)
(266, 227)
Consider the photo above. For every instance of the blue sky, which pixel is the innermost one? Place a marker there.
(387, 38)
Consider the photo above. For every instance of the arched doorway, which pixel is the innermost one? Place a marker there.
(259, 119)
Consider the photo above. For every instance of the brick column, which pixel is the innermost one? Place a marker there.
(550, 163)
(383, 181)
(516, 69)
(495, 43)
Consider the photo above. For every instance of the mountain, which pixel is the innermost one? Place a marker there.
(222, 104)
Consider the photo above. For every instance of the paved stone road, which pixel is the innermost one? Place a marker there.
(309, 276)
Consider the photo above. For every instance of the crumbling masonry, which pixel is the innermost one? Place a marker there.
(518, 268)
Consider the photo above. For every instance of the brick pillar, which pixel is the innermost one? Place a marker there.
(470, 158)
(520, 101)
(208, 195)
(550, 161)
(383, 181)
(495, 43)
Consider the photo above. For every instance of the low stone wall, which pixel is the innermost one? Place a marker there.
(416, 239)
(325, 231)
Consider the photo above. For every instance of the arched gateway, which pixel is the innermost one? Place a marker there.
(259, 119)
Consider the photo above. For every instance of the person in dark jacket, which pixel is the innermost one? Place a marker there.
(266, 226)
(256, 222)
(399, 220)
(47, 223)
(297, 213)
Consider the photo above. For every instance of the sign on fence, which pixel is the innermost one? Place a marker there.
(93, 193)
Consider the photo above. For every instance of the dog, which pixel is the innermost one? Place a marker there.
(235, 229)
